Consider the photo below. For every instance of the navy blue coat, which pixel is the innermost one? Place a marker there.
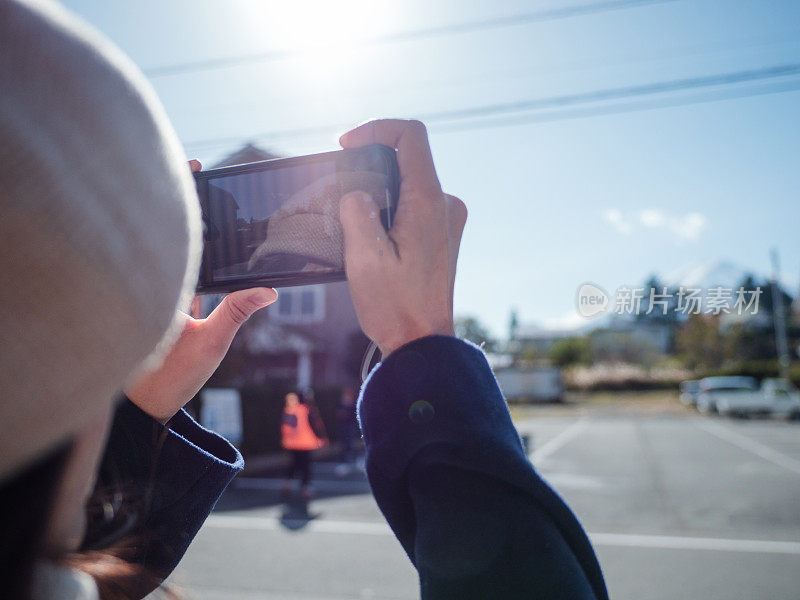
(449, 472)
(445, 464)
(176, 473)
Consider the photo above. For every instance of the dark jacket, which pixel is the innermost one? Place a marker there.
(171, 479)
(447, 469)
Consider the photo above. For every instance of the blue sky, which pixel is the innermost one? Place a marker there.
(608, 192)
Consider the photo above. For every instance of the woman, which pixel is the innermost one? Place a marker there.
(302, 432)
(99, 245)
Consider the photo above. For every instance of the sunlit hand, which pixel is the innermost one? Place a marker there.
(402, 283)
(200, 348)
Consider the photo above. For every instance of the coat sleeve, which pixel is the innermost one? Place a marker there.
(449, 473)
(173, 474)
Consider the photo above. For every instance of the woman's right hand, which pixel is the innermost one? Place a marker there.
(402, 282)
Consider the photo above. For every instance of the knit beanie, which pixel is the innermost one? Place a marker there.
(99, 232)
(305, 233)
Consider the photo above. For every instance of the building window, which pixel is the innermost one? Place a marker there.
(301, 304)
(307, 302)
(285, 303)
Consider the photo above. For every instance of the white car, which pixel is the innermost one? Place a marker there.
(785, 399)
(776, 396)
(733, 390)
(689, 392)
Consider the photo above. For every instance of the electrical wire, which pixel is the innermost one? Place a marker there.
(405, 36)
(648, 89)
(481, 116)
(619, 108)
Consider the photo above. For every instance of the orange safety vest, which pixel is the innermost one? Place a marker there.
(296, 432)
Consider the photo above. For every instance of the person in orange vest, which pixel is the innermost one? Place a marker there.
(301, 432)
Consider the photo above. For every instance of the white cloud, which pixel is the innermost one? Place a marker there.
(617, 221)
(683, 227)
(651, 217)
(688, 226)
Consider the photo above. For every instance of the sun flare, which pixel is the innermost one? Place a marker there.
(322, 37)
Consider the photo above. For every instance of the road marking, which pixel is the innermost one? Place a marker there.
(599, 539)
(750, 445)
(559, 441)
(266, 483)
(694, 543)
(313, 526)
(220, 593)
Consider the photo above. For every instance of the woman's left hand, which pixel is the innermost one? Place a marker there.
(197, 353)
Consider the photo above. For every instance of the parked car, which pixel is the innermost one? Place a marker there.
(712, 389)
(689, 392)
(776, 396)
(785, 397)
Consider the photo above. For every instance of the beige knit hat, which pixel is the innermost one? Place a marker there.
(99, 232)
(305, 234)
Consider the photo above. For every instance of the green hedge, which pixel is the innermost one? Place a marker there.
(760, 369)
(624, 384)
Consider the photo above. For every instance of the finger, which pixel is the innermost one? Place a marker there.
(365, 239)
(420, 210)
(410, 139)
(223, 323)
(456, 219)
(195, 166)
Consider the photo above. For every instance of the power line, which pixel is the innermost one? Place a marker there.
(406, 36)
(618, 93)
(618, 108)
(478, 116)
(517, 73)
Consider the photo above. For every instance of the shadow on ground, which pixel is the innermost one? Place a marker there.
(265, 488)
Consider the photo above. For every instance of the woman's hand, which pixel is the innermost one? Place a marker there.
(402, 282)
(197, 353)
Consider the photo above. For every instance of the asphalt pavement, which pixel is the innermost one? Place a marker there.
(677, 505)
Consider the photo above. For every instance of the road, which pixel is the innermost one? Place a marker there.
(677, 505)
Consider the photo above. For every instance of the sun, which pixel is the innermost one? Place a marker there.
(308, 25)
(320, 38)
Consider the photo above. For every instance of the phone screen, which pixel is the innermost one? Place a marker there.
(277, 222)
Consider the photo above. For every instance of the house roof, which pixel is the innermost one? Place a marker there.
(262, 335)
(531, 332)
(246, 154)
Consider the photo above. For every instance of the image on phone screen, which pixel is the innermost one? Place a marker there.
(282, 222)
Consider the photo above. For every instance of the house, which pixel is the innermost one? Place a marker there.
(539, 339)
(309, 338)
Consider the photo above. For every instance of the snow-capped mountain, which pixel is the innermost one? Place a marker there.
(710, 274)
(703, 275)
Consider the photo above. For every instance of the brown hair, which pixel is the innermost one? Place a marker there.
(116, 577)
(25, 503)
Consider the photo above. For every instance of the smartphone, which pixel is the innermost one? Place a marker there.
(275, 223)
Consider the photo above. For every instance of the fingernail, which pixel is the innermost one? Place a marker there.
(263, 296)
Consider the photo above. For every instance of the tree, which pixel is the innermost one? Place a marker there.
(570, 351)
(766, 299)
(470, 328)
(513, 323)
(700, 342)
(664, 303)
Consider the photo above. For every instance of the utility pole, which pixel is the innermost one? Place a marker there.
(779, 318)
